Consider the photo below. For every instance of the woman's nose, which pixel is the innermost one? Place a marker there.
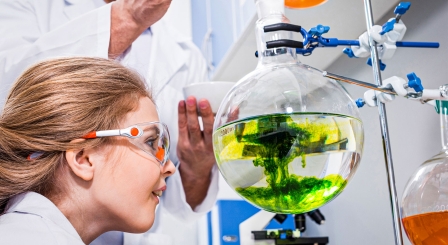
(168, 169)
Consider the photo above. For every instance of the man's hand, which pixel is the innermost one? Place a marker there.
(129, 18)
(144, 12)
(195, 149)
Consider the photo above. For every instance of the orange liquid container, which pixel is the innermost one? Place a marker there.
(300, 4)
(428, 228)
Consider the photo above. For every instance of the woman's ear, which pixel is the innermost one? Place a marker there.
(79, 162)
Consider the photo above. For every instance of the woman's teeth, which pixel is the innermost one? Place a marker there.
(158, 193)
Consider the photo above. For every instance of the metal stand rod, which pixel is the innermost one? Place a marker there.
(384, 130)
(340, 78)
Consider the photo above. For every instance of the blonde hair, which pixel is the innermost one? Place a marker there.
(53, 103)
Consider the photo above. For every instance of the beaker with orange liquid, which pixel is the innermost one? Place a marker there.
(301, 4)
(425, 199)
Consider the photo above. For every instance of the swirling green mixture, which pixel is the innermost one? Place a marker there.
(273, 142)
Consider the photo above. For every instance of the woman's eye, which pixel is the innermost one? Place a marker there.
(151, 143)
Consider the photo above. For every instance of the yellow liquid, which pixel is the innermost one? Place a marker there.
(289, 163)
(427, 229)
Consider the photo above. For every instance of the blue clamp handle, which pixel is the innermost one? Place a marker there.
(388, 26)
(382, 65)
(418, 44)
(349, 53)
(402, 8)
(415, 82)
(313, 39)
(319, 30)
(360, 103)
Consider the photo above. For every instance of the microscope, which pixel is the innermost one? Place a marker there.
(253, 232)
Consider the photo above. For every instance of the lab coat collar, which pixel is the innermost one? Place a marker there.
(75, 8)
(167, 54)
(36, 204)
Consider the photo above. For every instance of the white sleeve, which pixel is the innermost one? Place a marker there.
(175, 202)
(87, 35)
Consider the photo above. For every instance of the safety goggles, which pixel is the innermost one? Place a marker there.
(151, 137)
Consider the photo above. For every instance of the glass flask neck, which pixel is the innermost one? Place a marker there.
(443, 112)
(272, 12)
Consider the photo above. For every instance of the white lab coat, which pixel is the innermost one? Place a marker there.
(31, 218)
(31, 31)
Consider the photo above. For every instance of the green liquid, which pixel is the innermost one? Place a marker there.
(289, 163)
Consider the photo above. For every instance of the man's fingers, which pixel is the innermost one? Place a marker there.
(182, 120)
(194, 130)
(207, 121)
(233, 115)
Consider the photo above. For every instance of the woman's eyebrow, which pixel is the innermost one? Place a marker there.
(150, 129)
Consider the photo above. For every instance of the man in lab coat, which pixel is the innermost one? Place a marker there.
(31, 31)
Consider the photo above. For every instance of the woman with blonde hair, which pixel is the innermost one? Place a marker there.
(82, 152)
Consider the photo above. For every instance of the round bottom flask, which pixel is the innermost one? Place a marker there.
(286, 139)
(425, 199)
